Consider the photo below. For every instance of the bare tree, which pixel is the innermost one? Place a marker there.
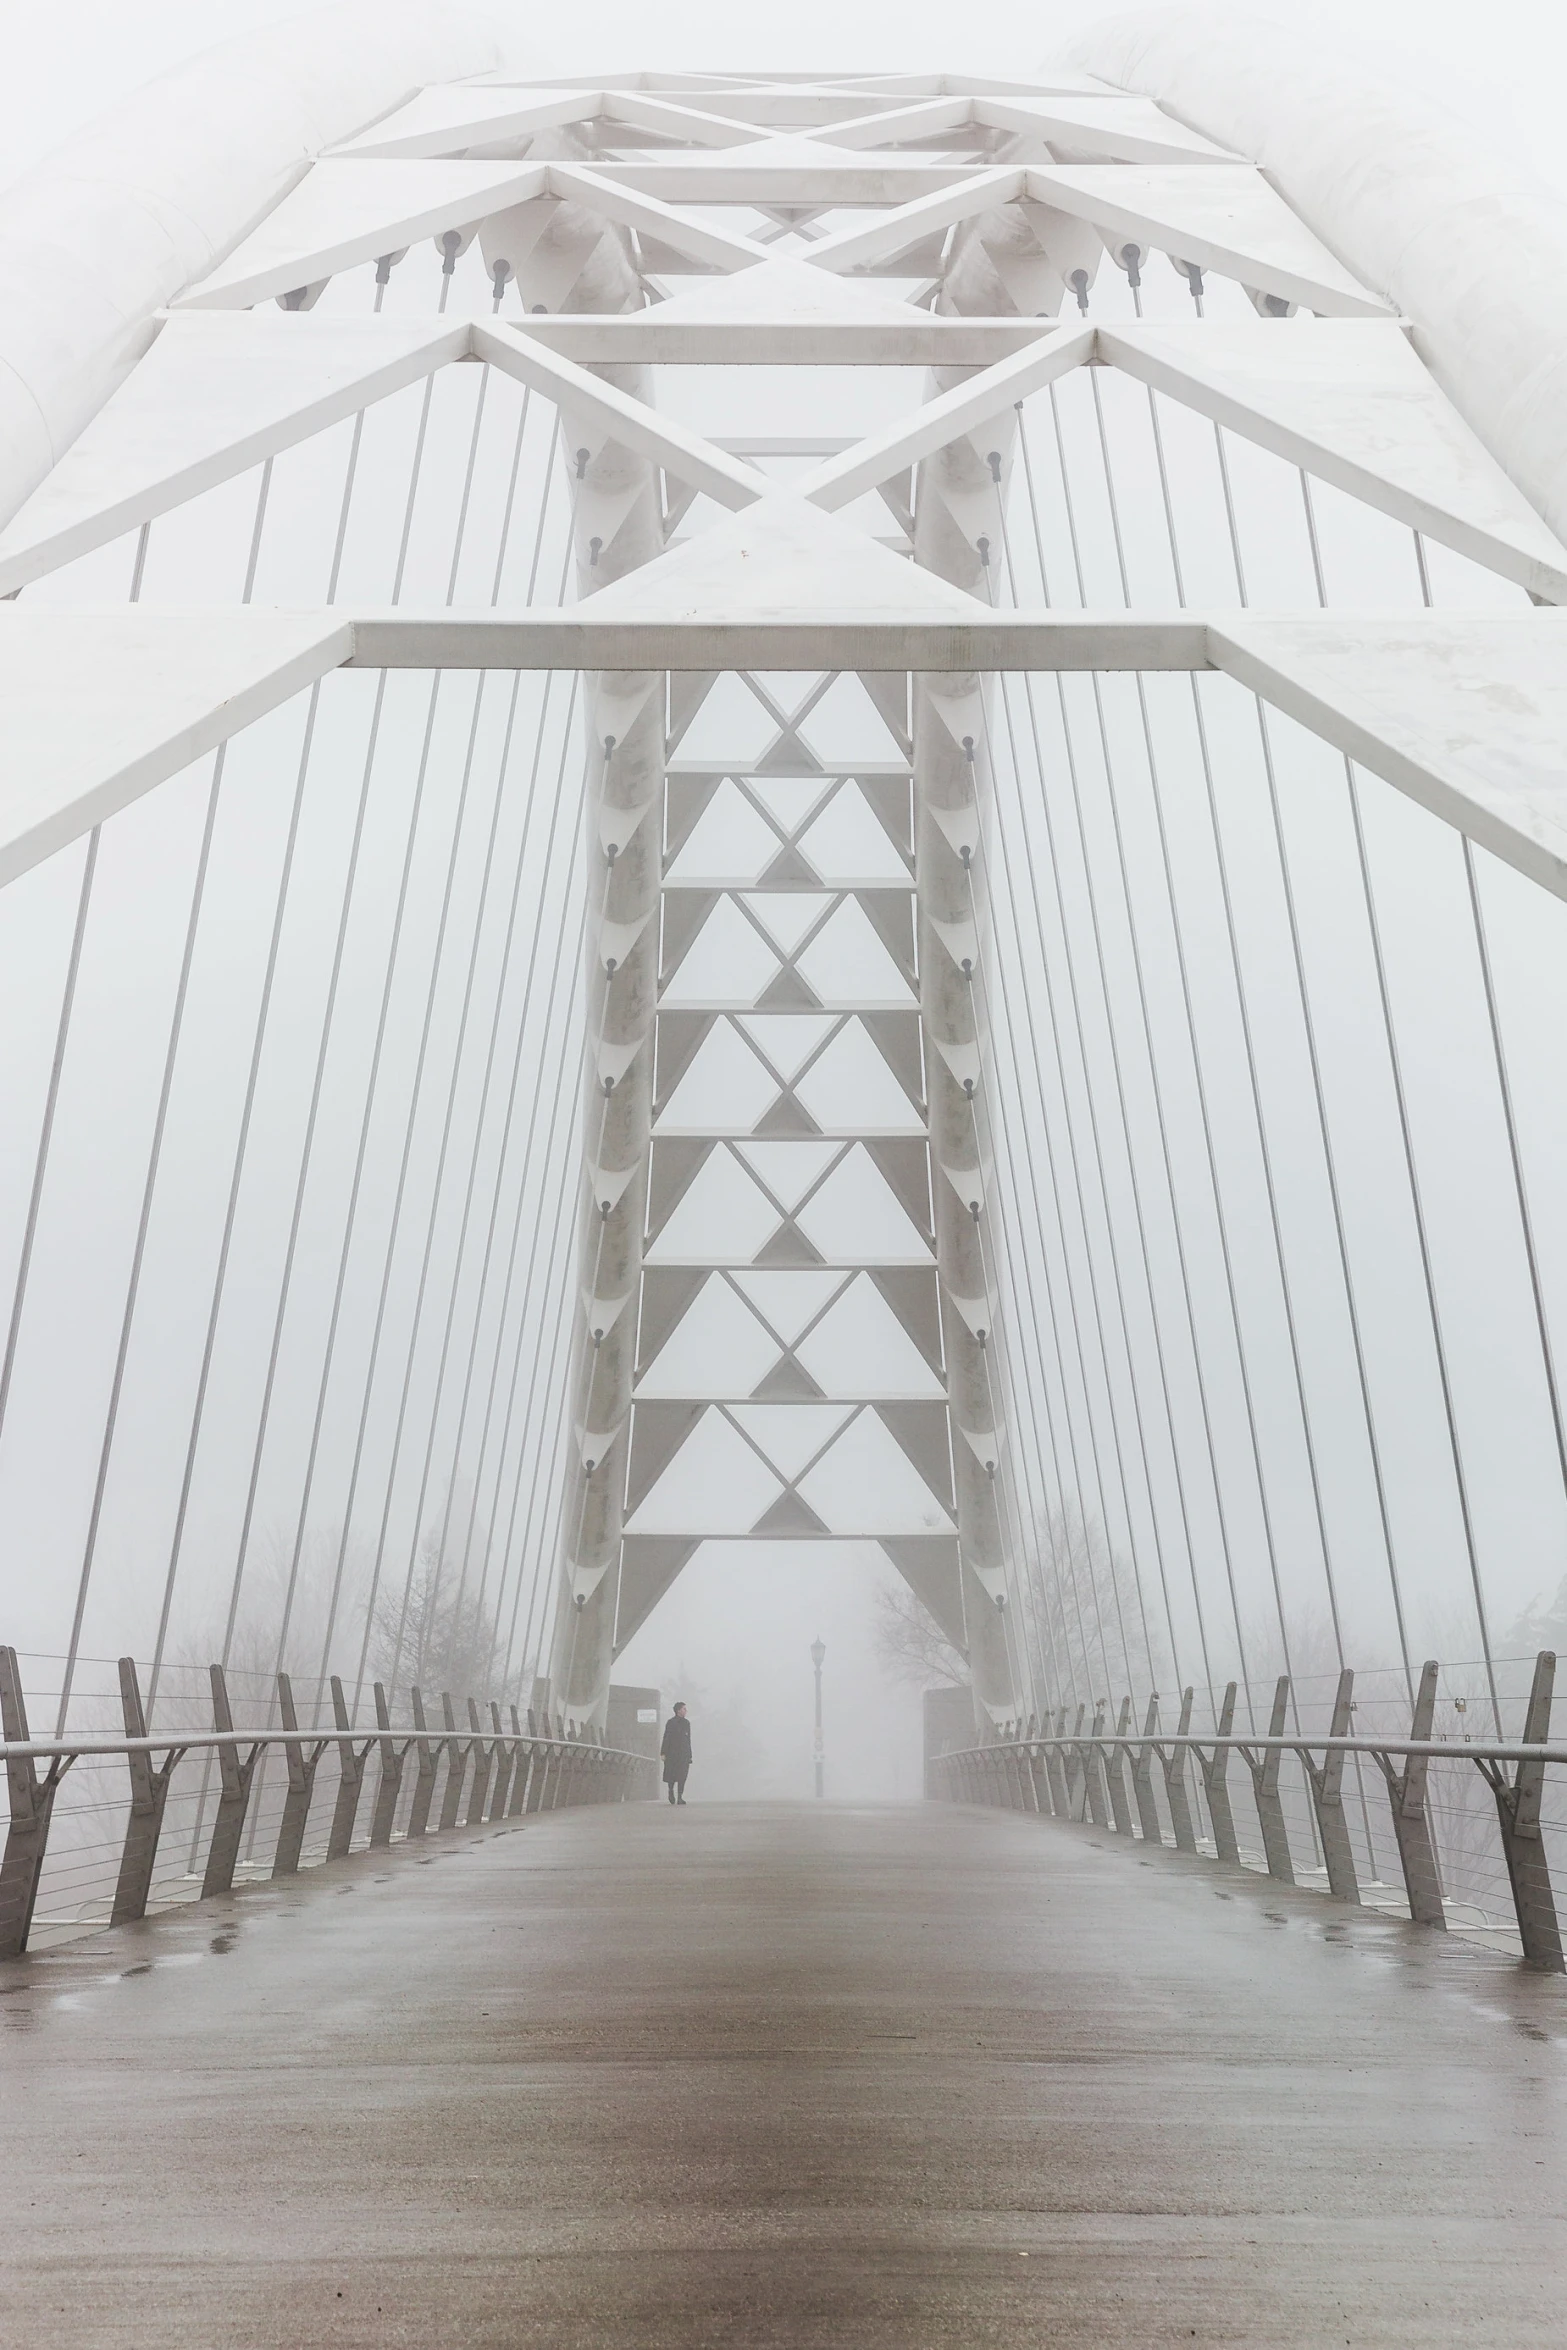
(1080, 1609)
(438, 1636)
(910, 1644)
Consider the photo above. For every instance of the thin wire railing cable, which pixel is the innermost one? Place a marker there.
(213, 803)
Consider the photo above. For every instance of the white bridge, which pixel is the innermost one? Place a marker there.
(967, 652)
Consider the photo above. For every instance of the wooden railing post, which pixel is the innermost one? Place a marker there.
(32, 1804)
(149, 1795)
(235, 1778)
(1518, 1812)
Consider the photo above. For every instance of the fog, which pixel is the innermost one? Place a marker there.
(733, 1634)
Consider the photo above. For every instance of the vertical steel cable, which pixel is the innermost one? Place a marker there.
(154, 1162)
(1210, 1149)
(1157, 1083)
(560, 1093)
(46, 1124)
(462, 1236)
(1428, 1274)
(1078, 1349)
(371, 1093)
(1075, 1000)
(1329, 1155)
(424, 1271)
(241, 1146)
(323, 1049)
(557, 973)
(557, 1278)
(1515, 1157)
(1009, 883)
(57, 1061)
(372, 1593)
(1054, 863)
(1109, 1225)
(1221, 860)
(395, 1226)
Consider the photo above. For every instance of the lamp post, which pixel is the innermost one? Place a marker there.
(818, 1658)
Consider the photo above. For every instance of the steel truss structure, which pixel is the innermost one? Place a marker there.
(796, 1313)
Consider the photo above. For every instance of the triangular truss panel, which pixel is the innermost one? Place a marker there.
(788, 1322)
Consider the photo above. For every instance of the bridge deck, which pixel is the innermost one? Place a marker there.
(806, 2077)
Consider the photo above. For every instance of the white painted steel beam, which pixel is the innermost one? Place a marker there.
(768, 337)
(920, 216)
(659, 439)
(945, 418)
(218, 391)
(1466, 713)
(343, 213)
(604, 190)
(451, 118)
(1108, 129)
(708, 636)
(98, 709)
(1226, 219)
(1350, 400)
(786, 171)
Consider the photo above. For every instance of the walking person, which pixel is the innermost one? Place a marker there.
(676, 1751)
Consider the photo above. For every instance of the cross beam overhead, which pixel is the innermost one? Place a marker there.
(723, 608)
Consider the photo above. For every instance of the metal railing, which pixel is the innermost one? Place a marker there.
(537, 1767)
(1107, 1777)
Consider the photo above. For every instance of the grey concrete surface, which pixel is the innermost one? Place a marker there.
(808, 2077)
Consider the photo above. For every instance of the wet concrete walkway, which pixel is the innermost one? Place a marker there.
(808, 2077)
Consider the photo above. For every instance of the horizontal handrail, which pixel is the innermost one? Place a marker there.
(196, 1741)
(491, 1773)
(1105, 1775)
(1434, 1749)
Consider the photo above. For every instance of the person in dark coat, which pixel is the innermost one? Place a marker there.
(676, 1751)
